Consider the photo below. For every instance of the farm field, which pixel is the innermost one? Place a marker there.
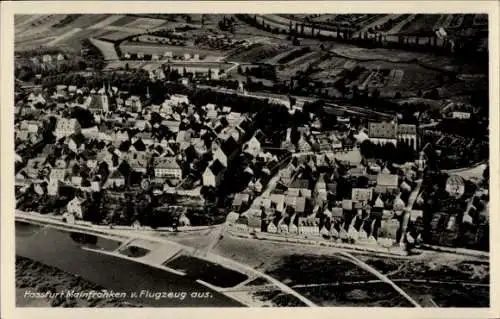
(145, 23)
(299, 64)
(375, 54)
(86, 21)
(121, 64)
(422, 24)
(277, 58)
(67, 35)
(305, 59)
(123, 20)
(106, 48)
(257, 53)
(403, 20)
(104, 23)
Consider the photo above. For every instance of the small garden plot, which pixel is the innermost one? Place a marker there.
(395, 77)
(419, 79)
(349, 65)
(308, 57)
(151, 66)
(206, 271)
(332, 62)
(294, 55)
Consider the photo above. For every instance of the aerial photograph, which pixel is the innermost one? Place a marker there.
(251, 160)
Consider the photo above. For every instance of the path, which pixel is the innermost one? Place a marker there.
(382, 277)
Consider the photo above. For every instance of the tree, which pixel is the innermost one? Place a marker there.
(388, 152)
(367, 149)
(208, 193)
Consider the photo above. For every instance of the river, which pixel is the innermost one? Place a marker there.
(62, 250)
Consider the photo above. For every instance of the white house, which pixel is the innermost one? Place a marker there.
(460, 115)
(361, 194)
(74, 207)
(57, 174)
(252, 147)
(308, 226)
(213, 174)
(219, 155)
(167, 167)
(66, 127)
(115, 179)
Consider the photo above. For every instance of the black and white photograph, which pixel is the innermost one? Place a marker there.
(251, 160)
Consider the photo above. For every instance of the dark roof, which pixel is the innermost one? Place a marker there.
(48, 149)
(224, 121)
(124, 146)
(382, 130)
(139, 145)
(407, 129)
(79, 139)
(229, 146)
(300, 183)
(116, 174)
(332, 187)
(260, 136)
(217, 167)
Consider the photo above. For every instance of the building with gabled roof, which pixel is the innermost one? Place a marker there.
(386, 183)
(213, 174)
(115, 179)
(167, 167)
(66, 127)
